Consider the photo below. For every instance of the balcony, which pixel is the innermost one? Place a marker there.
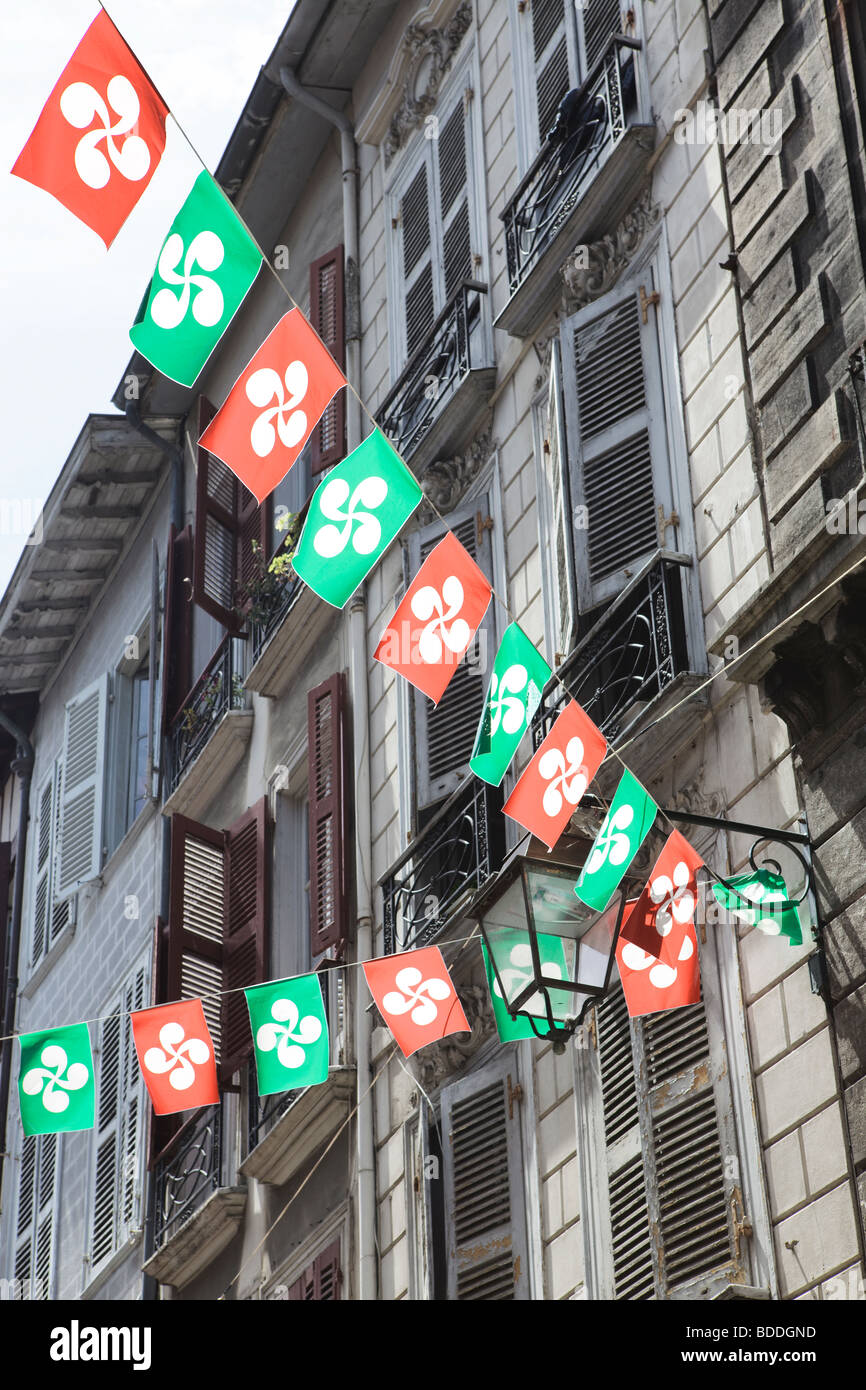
(196, 1215)
(209, 735)
(431, 411)
(580, 185)
(444, 867)
(633, 662)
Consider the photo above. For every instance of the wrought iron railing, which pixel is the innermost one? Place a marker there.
(187, 1176)
(601, 111)
(453, 347)
(627, 658)
(269, 612)
(444, 867)
(219, 688)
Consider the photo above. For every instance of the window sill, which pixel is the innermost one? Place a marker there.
(109, 1266)
(115, 857)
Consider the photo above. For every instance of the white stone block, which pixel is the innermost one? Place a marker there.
(783, 1099)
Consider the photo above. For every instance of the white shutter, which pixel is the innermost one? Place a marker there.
(34, 1222)
(596, 21)
(445, 733)
(117, 1178)
(454, 227)
(617, 444)
(553, 54)
(417, 258)
(42, 869)
(79, 851)
(485, 1210)
(556, 546)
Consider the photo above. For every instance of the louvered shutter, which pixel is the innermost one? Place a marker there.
(554, 70)
(617, 443)
(42, 868)
(556, 541)
(116, 1178)
(445, 733)
(485, 1221)
(245, 959)
(596, 21)
(176, 668)
(194, 957)
(129, 1184)
(216, 531)
(417, 254)
(328, 800)
(253, 525)
(327, 315)
(320, 1281)
(668, 1126)
(79, 851)
(453, 188)
(34, 1224)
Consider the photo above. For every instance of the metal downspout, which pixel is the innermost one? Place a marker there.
(366, 1190)
(23, 766)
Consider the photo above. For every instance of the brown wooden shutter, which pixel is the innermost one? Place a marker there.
(320, 1281)
(194, 962)
(329, 911)
(327, 317)
(176, 625)
(245, 959)
(216, 531)
(253, 525)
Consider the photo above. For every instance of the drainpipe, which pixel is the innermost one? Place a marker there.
(174, 453)
(23, 766)
(366, 1191)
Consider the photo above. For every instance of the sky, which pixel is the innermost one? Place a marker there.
(66, 304)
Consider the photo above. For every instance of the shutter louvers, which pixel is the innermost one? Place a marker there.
(327, 315)
(42, 889)
(454, 201)
(27, 1185)
(417, 261)
(327, 797)
(600, 18)
(244, 944)
(550, 48)
(483, 1187)
(254, 525)
(215, 532)
(176, 665)
(327, 1274)
(195, 937)
(59, 910)
(45, 1220)
(34, 1229)
(130, 1133)
(110, 1090)
(79, 856)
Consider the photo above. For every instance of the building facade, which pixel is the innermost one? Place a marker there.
(601, 337)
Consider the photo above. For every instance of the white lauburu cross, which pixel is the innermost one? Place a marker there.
(612, 844)
(265, 386)
(332, 540)
(51, 1076)
(660, 975)
(80, 104)
(564, 774)
(443, 625)
(517, 975)
(179, 1056)
(282, 1035)
(416, 994)
(675, 899)
(168, 309)
(506, 709)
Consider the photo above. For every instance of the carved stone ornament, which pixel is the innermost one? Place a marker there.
(587, 277)
(430, 53)
(439, 1061)
(445, 480)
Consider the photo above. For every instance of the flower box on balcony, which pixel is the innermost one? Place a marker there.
(579, 186)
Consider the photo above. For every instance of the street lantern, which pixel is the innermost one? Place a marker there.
(551, 954)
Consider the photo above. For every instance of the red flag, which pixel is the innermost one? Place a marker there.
(100, 134)
(666, 907)
(650, 986)
(558, 775)
(176, 1056)
(437, 619)
(274, 406)
(415, 996)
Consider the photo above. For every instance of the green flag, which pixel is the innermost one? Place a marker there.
(509, 1029)
(353, 518)
(55, 1083)
(623, 831)
(520, 674)
(206, 266)
(772, 913)
(514, 958)
(290, 1032)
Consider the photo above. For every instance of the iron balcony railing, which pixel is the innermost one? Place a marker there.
(444, 867)
(455, 345)
(269, 611)
(219, 688)
(596, 116)
(188, 1175)
(629, 656)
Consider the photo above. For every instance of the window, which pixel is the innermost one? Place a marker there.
(445, 733)
(320, 1280)
(117, 1177)
(50, 915)
(132, 722)
(434, 225)
(485, 1209)
(176, 666)
(556, 546)
(82, 789)
(328, 318)
(328, 803)
(34, 1222)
